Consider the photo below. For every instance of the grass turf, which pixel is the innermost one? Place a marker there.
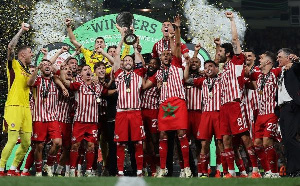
(103, 181)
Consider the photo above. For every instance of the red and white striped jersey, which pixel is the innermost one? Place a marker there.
(211, 100)
(64, 107)
(193, 95)
(232, 79)
(45, 100)
(129, 97)
(150, 98)
(86, 101)
(174, 86)
(163, 44)
(266, 89)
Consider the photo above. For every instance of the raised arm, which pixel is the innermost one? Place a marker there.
(217, 42)
(13, 43)
(45, 52)
(33, 76)
(177, 50)
(235, 38)
(186, 71)
(71, 34)
(137, 55)
(64, 80)
(105, 54)
(117, 59)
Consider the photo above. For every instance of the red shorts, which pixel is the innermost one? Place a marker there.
(42, 131)
(172, 115)
(210, 125)
(84, 131)
(150, 120)
(129, 123)
(66, 131)
(194, 118)
(232, 119)
(266, 126)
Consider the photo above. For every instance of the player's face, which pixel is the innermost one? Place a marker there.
(153, 65)
(128, 63)
(194, 64)
(165, 57)
(46, 68)
(112, 52)
(210, 70)
(263, 60)
(222, 55)
(99, 43)
(31, 70)
(67, 71)
(167, 28)
(282, 59)
(28, 55)
(100, 71)
(73, 65)
(86, 73)
(250, 58)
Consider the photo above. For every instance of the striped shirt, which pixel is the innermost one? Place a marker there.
(45, 100)
(129, 95)
(86, 101)
(232, 79)
(64, 107)
(163, 44)
(266, 88)
(193, 95)
(150, 98)
(173, 87)
(211, 99)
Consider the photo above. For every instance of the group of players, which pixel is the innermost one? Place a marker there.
(69, 106)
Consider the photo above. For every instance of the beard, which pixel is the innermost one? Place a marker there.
(151, 73)
(223, 59)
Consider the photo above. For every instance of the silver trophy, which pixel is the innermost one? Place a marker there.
(124, 19)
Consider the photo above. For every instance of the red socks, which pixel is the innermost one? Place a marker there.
(184, 143)
(163, 150)
(90, 156)
(120, 156)
(204, 158)
(260, 151)
(30, 159)
(230, 158)
(224, 162)
(73, 159)
(51, 159)
(38, 166)
(252, 156)
(139, 155)
(272, 158)
(240, 165)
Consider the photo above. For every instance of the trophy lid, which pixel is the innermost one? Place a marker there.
(124, 19)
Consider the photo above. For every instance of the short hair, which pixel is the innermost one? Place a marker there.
(167, 20)
(83, 65)
(210, 61)
(271, 55)
(69, 58)
(157, 61)
(286, 51)
(99, 38)
(23, 47)
(31, 66)
(47, 60)
(228, 49)
(98, 65)
(250, 50)
(113, 46)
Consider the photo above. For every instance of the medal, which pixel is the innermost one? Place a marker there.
(165, 83)
(210, 94)
(98, 100)
(188, 87)
(128, 90)
(260, 92)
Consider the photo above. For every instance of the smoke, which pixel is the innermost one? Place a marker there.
(206, 22)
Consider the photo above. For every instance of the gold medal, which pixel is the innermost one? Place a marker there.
(165, 83)
(210, 94)
(98, 100)
(188, 87)
(260, 92)
(128, 90)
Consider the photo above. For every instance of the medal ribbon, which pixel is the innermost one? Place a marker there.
(45, 90)
(165, 74)
(127, 79)
(264, 80)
